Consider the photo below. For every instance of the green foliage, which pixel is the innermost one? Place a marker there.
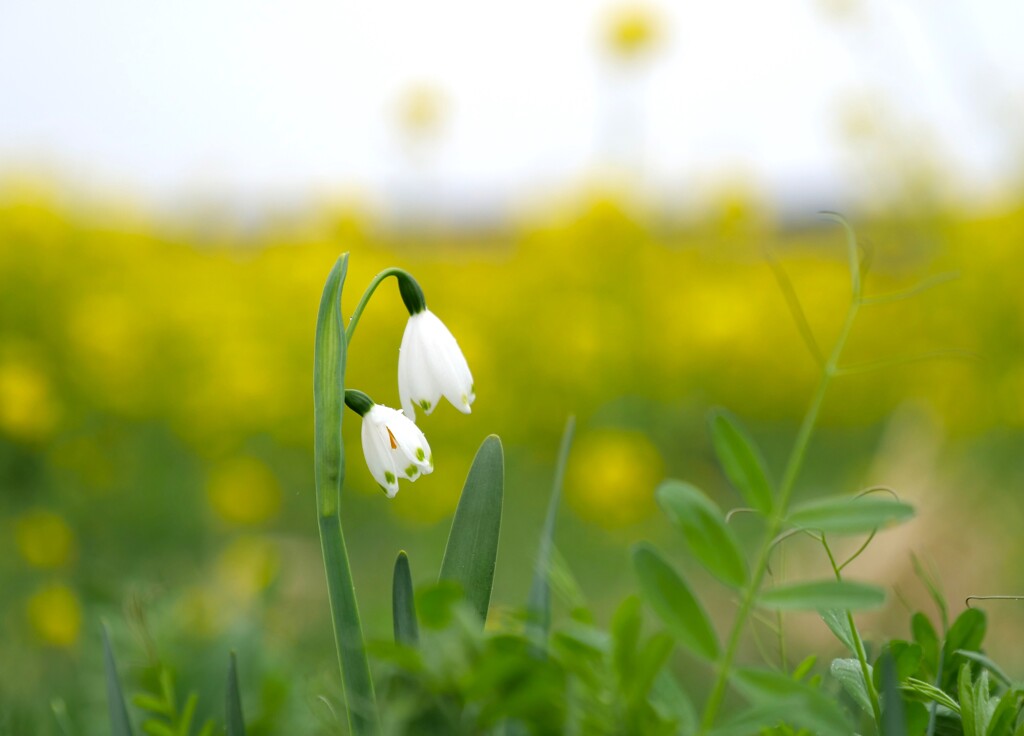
(446, 672)
(704, 531)
(822, 594)
(233, 719)
(674, 602)
(839, 624)
(470, 556)
(538, 606)
(329, 357)
(403, 603)
(164, 715)
(851, 677)
(120, 725)
(966, 634)
(845, 515)
(741, 461)
(777, 699)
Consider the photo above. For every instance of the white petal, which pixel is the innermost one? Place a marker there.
(405, 357)
(410, 448)
(446, 363)
(377, 450)
(416, 385)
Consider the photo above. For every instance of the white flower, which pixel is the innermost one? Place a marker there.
(431, 365)
(394, 448)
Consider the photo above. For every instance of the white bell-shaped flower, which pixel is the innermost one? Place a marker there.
(431, 365)
(394, 448)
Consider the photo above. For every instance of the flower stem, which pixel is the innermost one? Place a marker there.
(400, 273)
(793, 467)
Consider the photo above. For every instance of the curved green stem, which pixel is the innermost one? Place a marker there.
(793, 467)
(365, 298)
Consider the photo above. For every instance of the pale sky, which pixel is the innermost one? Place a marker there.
(274, 99)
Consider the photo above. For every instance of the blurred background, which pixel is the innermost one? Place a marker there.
(590, 194)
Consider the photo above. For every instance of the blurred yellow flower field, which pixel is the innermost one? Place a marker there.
(155, 395)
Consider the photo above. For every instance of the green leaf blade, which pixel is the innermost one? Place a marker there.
(741, 461)
(704, 531)
(329, 355)
(823, 594)
(120, 725)
(403, 603)
(538, 605)
(966, 633)
(234, 720)
(850, 675)
(674, 602)
(472, 549)
(849, 515)
(838, 624)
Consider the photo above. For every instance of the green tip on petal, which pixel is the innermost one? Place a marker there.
(425, 405)
(411, 471)
(420, 454)
(389, 476)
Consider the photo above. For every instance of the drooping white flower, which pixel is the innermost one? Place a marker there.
(431, 365)
(394, 448)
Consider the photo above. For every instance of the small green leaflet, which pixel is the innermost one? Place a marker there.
(674, 602)
(823, 594)
(849, 515)
(704, 531)
(741, 462)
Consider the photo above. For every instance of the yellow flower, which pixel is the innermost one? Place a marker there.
(55, 615)
(27, 409)
(632, 31)
(244, 491)
(612, 477)
(44, 539)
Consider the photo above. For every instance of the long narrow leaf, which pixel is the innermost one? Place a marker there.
(704, 530)
(119, 723)
(674, 602)
(472, 547)
(893, 718)
(329, 472)
(538, 606)
(403, 603)
(741, 462)
(234, 721)
(824, 594)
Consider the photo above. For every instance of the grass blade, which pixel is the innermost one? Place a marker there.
(472, 547)
(119, 723)
(233, 720)
(741, 461)
(538, 606)
(403, 603)
(674, 602)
